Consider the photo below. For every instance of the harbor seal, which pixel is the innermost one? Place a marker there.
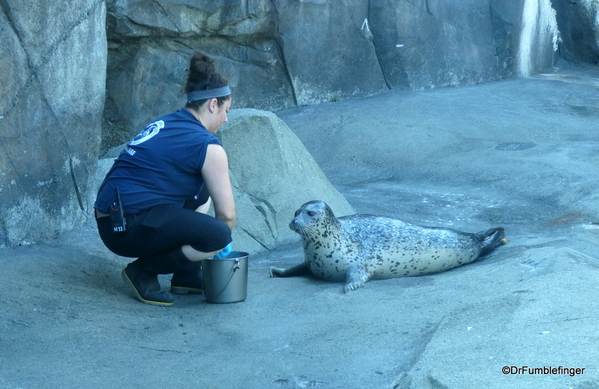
(358, 248)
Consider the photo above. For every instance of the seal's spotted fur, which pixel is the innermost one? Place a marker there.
(357, 248)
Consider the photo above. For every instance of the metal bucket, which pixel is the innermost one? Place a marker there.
(226, 279)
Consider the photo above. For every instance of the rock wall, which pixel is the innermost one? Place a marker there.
(53, 66)
(579, 28)
(427, 44)
(150, 44)
(282, 53)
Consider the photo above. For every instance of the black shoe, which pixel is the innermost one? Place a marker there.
(146, 286)
(189, 280)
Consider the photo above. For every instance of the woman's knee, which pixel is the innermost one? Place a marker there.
(218, 238)
(222, 236)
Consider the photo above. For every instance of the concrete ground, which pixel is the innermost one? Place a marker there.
(521, 153)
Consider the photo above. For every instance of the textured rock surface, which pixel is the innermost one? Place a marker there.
(53, 66)
(577, 21)
(328, 49)
(272, 175)
(427, 44)
(278, 54)
(525, 332)
(150, 44)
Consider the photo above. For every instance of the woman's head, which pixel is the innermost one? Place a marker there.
(202, 76)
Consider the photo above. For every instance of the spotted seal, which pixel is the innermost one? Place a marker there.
(358, 248)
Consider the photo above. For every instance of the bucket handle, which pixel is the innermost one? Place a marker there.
(235, 268)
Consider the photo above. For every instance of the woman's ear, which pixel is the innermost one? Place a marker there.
(213, 105)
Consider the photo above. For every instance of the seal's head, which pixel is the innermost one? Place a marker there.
(312, 216)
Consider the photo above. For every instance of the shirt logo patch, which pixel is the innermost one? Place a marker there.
(148, 132)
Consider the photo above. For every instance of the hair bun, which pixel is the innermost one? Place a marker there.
(202, 74)
(201, 66)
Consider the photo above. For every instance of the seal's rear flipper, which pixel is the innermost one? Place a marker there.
(297, 270)
(491, 239)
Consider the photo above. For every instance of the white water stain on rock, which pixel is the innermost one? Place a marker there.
(539, 31)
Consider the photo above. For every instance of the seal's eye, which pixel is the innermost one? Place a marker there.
(311, 213)
(296, 213)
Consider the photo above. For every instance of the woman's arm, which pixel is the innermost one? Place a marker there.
(216, 176)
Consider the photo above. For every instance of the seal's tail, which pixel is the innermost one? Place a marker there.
(491, 239)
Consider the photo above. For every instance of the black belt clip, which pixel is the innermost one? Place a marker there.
(117, 216)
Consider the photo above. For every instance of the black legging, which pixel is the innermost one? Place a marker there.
(164, 228)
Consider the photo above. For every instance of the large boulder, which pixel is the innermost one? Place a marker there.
(272, 175)
(53, 62)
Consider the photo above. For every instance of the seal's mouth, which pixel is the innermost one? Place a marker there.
(292, 225)
(303, 230)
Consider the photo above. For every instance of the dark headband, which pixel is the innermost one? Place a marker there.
(208, 94)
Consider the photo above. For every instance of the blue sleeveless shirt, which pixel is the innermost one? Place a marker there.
(161, 165)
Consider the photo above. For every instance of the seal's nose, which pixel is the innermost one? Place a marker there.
(292, 224)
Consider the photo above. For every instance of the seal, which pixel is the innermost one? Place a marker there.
(358, 248)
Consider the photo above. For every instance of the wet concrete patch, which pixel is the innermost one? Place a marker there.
(515, 146)
(584, 111)
(564, 219)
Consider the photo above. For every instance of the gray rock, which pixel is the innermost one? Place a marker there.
(146, 80)
(579, 30)
(272, 175)
(427, 44)
(188, 18)
(149, 50)
(511, 339)
(53, 64)
(328, 50)
(282, 54)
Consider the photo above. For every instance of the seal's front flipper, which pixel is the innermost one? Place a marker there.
(356, 278)
(297, 270)
(491, 239)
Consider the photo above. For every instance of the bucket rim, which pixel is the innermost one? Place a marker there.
(231, 256)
